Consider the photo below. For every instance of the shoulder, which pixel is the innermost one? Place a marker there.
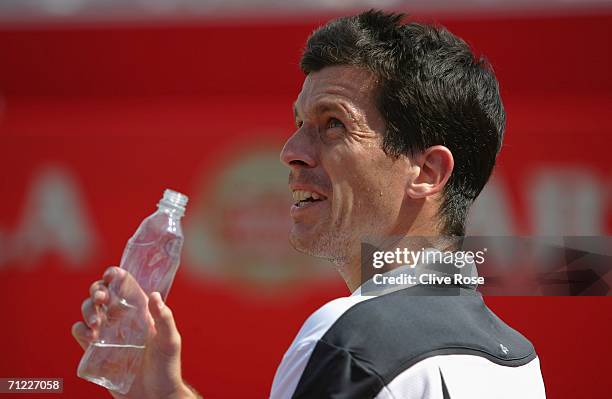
(412, 324)
(371, 343)
(363, 346)
(324, 318)
(297, 356)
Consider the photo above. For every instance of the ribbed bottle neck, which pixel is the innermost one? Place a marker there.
(173, 203)
(171, 210)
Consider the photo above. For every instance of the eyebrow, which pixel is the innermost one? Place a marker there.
(325, 106)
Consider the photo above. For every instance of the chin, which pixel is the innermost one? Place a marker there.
(300, 243)
(324, 245)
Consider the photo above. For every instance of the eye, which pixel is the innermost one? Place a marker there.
(334, 123)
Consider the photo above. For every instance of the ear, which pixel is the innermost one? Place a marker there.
(434, 167)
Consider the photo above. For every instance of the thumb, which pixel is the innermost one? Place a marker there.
(167, 338)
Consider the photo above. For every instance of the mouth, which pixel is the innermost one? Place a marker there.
(305, 198)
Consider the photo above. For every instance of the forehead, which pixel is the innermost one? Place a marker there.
(351, 85)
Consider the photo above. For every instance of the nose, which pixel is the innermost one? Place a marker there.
(298, 151)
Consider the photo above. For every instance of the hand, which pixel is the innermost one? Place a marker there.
(160, 374)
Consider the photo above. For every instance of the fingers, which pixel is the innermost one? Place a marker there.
(111, 273)
(85, 331)
(124, 293)
(82, 334)
(167, 338)
(90, 314)
(99, 293)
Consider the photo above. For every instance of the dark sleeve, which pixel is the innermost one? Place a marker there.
(333, 372)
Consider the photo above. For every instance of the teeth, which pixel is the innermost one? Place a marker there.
(301, 195)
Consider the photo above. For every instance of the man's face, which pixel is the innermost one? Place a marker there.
(344, 185)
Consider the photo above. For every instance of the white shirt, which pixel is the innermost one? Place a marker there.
(455, 372)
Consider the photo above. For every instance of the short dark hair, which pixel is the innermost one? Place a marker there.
(432, 90)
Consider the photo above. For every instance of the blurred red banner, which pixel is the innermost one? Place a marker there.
(96, 120)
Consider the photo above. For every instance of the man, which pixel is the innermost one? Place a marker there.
(397, 131)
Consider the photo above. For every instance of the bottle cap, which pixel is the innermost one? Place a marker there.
(174, 199)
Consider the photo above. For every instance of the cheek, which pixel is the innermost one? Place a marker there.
(362, 181)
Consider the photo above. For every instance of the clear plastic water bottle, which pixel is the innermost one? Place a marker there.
(152, 258)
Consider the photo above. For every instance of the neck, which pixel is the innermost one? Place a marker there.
(355, 273)
(351, 273)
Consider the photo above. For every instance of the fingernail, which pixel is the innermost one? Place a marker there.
(93, 320)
